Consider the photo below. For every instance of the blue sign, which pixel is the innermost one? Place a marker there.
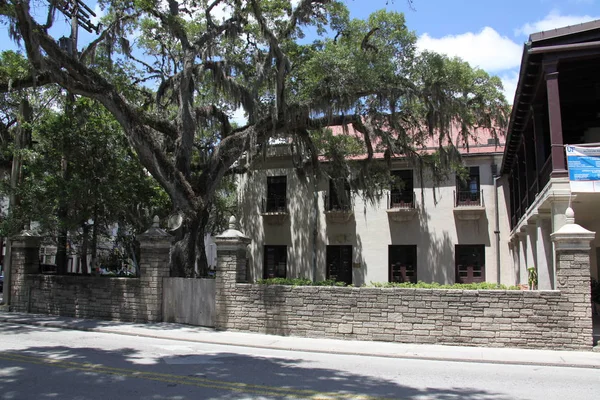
(584, 168)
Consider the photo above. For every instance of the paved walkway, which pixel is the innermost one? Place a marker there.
(187, 333)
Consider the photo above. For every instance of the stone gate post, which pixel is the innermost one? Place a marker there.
(25, 259)
(572, 246)
(231, 269)
(155, 245)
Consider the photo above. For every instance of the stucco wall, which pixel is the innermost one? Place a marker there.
(435, 229)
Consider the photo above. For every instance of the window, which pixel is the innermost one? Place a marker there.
(470, 263)
(275, 265)
(402, 189)
(339, 263)
(468, 190)
(402, 261)
(339, 195)
(276, 194)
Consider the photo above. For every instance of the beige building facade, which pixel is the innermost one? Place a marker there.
(456, 231)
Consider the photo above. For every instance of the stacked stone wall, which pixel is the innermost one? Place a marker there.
(125, 299)
(530, 319)
(87, 297)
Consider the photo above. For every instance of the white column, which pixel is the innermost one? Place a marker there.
(522, 277)
(559, 207)
(516, 249)
(545, 259)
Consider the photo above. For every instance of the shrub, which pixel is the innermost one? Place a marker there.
(419, 285)
(435, 285)
(299, 282)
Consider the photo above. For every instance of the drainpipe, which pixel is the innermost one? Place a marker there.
(497, 230)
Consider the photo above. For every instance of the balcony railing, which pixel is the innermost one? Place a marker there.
(340, 205)
(467, 198)
(274, 204)
(401, 200)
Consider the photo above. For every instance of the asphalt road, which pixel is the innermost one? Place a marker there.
(48, 363)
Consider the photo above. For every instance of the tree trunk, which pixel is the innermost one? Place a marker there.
(183, 252)
(201, 248)
(61, 251)
(83, 264)
(95, 240)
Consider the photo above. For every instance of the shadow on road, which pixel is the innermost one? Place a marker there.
(219, 375)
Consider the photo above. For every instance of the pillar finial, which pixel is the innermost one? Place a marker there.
(155, 222)
(232, 222)
(569, 216)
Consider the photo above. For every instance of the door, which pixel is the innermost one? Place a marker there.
(402, 262)
(470, 263)
(339, 263)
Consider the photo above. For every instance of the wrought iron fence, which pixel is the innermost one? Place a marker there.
(401, 200)
(273, 204)
(465, 198)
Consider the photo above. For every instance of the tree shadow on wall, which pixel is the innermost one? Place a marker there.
(91, 373)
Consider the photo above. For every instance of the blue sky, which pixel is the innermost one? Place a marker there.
(488, 34)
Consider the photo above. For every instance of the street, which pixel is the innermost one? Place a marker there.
(42, 362)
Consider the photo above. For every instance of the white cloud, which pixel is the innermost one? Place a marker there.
(99, 14)
(239, 117)
(552, 21)
(509, 82)
(486, 49)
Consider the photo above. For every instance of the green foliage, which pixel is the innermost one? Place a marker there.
(105, 181)
(532, 278)
(408, 285)
(299, 282)
(434, 285)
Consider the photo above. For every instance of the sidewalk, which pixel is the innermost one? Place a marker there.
(187, 333)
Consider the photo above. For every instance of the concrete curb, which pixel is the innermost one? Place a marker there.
(184, 333)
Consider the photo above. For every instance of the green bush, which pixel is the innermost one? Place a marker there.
(435, 285)
(419, 285)
(299, 282)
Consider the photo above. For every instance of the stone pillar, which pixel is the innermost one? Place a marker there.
(545, 259)
(25, 260)
(231, 269)
(572, 245)
(155, 245)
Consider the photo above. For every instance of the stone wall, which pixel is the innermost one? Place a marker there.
(533, 319)
(86, 297)
(125, 299)
(557, 319)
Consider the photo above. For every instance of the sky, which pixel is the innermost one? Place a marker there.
(489, 34)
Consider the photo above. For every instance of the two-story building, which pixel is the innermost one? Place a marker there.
(453, 231)
(557, 103)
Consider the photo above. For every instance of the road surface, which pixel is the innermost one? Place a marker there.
(50, 363)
